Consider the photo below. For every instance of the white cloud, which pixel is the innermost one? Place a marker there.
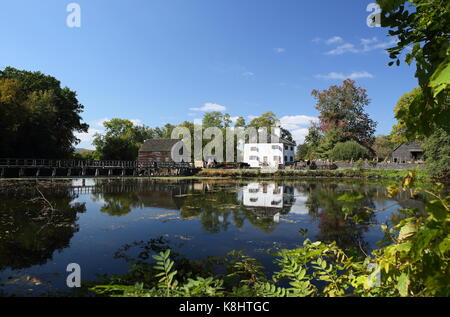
(136, 121)
(341, 49)
(293, 122)
(299, 135)
(86, 138)
(248, 74)
(365, 45)
(99, 123)
(298, 126)
(334, 40)
(210, 107)
(341, 76)
(374, 44)
(279, 50)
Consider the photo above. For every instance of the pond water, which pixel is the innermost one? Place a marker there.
(88, 221)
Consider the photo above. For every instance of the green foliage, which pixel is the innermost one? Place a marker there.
(437, 154)
(422, 25)
(38, 118)
(121, 141)
(383, 146)
(399, 133)
(347, 151)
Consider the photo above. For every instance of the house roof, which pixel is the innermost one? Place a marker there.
(158, 145)
(414, 146)
(269, 140)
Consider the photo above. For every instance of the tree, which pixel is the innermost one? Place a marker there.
(269, 120)
(342, 109)
(329, 141)
(216, 119)
(437, 154)
(350, 150)
(312, 141)
(423, 25)
(266, 120)
(383, 146)
(240, 123)
(302, 151)
(39, 118)
(399, 131)
(121, 140)
(164, 132)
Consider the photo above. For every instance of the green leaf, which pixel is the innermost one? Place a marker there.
(403, 284)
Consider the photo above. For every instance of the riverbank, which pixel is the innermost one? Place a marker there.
(342, 173)
(375, 174)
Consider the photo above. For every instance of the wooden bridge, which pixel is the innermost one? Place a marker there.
(13, 168)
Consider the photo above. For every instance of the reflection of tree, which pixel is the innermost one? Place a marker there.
(342, 221)
(120, 198)
(31, 230)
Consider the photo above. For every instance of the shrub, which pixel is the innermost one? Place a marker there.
(437, 154)
(347, 151)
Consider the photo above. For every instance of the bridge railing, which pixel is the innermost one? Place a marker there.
(48, 163)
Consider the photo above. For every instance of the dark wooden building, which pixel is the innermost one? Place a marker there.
(407, 153)
(157, 150)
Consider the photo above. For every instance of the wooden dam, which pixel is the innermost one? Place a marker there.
(20, 168)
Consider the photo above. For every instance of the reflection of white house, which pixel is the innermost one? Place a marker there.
(271, 154)
(263, 195)
(299, 206)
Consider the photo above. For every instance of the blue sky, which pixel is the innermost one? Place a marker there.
(159, 61)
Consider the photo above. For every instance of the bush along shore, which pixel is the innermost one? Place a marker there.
(338, 173)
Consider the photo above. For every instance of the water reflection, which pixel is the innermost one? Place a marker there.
(32, 228)
(219, 205)
(225, 212)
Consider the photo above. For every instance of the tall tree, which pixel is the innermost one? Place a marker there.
(399, 130)
(269, 120)
(39, 117)
(240, 123)
(342, 108)
(121, 141)
(424, 26)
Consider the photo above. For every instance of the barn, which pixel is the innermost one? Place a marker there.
(407, 153)
(157, 150)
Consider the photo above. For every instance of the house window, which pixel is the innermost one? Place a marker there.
(292, 148)
(275, 147)
(286, 147)
(292, 159)
(285, 159)
(253, 190)
(254, 158)
(253, 200)
(254, 149)
(277, 158)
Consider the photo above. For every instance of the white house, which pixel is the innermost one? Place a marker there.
(270, 154)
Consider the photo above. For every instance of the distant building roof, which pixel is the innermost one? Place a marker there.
(270, 140)
(412, 146)
(158, 145)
